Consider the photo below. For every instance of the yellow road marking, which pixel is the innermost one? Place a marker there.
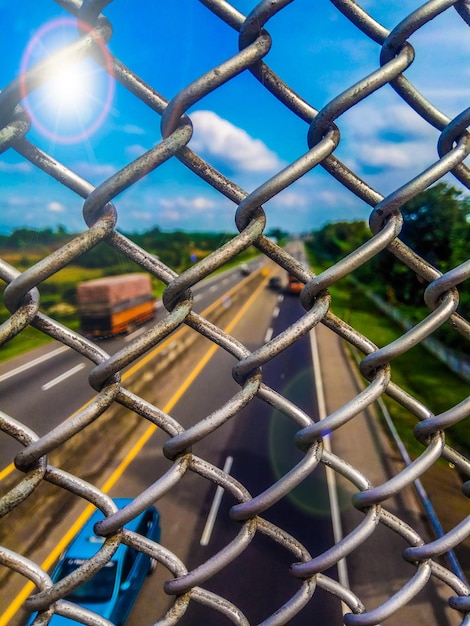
(6, 471)
(17, 603)
(144, 360)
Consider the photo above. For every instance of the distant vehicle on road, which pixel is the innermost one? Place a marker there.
(245, 269)
(115, 304)
(275, 283)
(294, 285)
(112, 591)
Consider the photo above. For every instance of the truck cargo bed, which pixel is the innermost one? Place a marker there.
(116, 304)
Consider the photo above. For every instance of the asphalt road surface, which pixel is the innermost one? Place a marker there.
(259, 443)
(262, 449)
(43, 388)
(256, 447)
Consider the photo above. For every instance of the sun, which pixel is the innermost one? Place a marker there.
(67, 93)
(76, 97)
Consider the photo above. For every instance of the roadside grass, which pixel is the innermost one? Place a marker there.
(59, 289)
(74, 274)
(416, 371)
(28, 339)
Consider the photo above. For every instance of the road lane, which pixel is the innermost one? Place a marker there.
(11, 615)
(212, 517)
(248, 448)
(260, 440)
(24, 381)
(29, 364)
(259, 443)
(58, 379)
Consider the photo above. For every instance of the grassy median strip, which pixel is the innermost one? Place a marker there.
(417, 371)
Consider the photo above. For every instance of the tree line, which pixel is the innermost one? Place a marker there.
(176, 249)
(436, 225)
(24, 247)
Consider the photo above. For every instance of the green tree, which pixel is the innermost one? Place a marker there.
(436, 226)
(278, 234)
(337, 239)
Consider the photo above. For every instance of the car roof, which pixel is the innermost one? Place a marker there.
(87, 543)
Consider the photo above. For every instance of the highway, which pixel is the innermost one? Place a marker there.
(255, 447)
(32, 385)
(258, 445)
(261, 447)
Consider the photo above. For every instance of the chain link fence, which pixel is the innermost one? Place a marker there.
(22, 298)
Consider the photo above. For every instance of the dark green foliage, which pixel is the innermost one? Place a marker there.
(179, 249)
(436, 225)
(105, 256)
(278, 234)
(338, 239)
(34, 240)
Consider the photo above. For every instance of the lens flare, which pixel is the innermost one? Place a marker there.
(76, 99)
(311, 495)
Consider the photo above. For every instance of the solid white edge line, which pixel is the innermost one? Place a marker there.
(33, 363)
(136, 333)
(219, 492)
(330, 474)
(63, 376)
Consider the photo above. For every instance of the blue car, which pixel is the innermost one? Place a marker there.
(112, 591)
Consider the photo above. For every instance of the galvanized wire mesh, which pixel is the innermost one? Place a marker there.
(22, 297)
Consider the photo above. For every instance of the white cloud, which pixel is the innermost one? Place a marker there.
(198, 203)
(386, 155)
(141, 216)
(385, 138)
(55, 207)
(132, 129)
(15, 201)
(216, 137)
(329, 198)
(170, 217)
(15, 168)
(291, 199)
(191, 212)
(93, 170)
(394, 122)
(191, 209)
(135, 150)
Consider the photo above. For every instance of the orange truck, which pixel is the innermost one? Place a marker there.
(294, 285)
(115, 304)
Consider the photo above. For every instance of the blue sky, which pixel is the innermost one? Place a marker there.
(240, 128)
